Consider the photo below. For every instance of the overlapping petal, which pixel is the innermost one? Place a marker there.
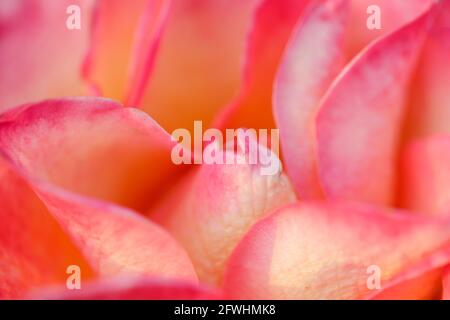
(361, 117)
(42, 223)
(91, 146)
(311, 61)
(215, 205)
(40, 57)
(333, 251)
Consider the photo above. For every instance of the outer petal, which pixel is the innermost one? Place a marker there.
(214, 207)
(123, 46)
(40, 57)
(90, 146)
(430, 97)
(113, 240)
(134, 289)
(360, 119)
(272, 26)
(30, 239)
(312, 59)
(197, 69)
(325, 251)
(425, 181)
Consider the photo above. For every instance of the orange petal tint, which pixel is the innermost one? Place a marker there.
(214, 206)
(359, 122)
(272, 26)
(34, 249)
(116, 240)
(313, 58)
(425, 181)
(123, 46)
(40, 57)
(133, 288)
(333, 251)
(112, 240)
(197, 68)
(91, 146)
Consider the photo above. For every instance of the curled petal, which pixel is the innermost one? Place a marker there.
(361, 116)
(111, 240)
(336, 251)
(40, 56)
(216, 204)
(134, 288)
(90, 146)
(312, 59)
(425, 180)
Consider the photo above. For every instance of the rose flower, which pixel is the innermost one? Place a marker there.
(93, 206)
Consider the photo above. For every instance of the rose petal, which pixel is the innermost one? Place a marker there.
(215, 205)
(40, 57)
(329, 251)
(134, 289)
(430, 96)
(312, 59)
(91, 146)
(123, 46)
(30, 239)
(197, 69)
(360, 119)
(271, 29)
(425, 179)
(113, 240)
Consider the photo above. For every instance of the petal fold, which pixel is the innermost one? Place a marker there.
(91, 146)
